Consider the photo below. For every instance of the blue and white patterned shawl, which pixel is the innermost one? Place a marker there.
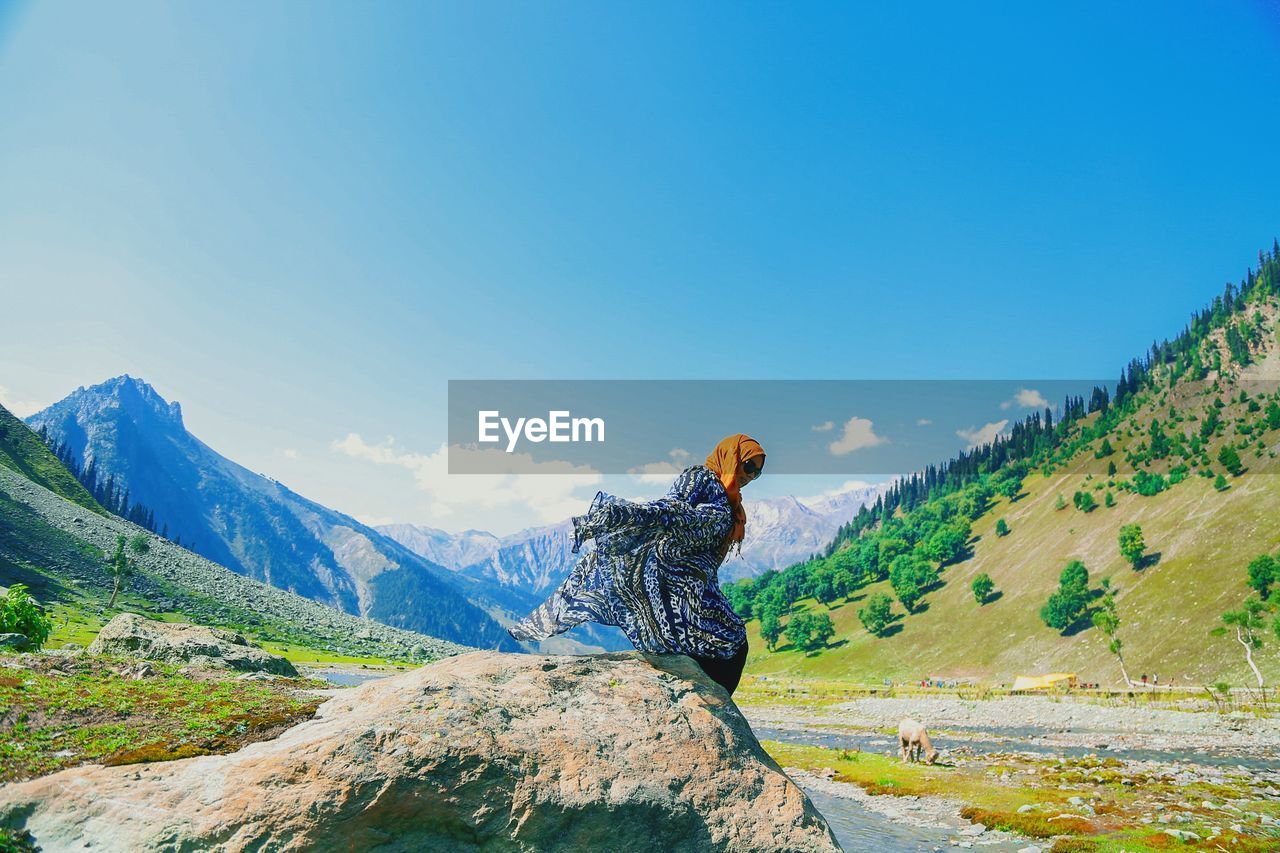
(653, 572)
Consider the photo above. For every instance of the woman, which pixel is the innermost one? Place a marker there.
(653, 572)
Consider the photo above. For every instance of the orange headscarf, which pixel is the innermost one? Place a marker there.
(724, 460)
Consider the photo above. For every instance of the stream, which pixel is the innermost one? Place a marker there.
(1015, 739)
(859, 829)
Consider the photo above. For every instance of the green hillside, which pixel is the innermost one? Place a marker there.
(59, 552)
(22, 451)
(1214, 387)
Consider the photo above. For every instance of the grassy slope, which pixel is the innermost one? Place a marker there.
(67, 575)
(23, 451)
(1204, 538)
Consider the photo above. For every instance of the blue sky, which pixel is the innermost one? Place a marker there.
(302, 219)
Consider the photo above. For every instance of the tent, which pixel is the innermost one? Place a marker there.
(1045, 682)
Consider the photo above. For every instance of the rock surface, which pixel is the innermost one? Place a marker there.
(131, 635)
(16, 642)
(506, 752)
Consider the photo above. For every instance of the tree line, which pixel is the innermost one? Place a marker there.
(113, 496)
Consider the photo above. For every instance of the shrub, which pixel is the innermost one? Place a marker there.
(21, 614)
(982, 587)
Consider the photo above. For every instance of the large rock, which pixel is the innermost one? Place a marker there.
(14, 643)
(131, 635)
(618, 751)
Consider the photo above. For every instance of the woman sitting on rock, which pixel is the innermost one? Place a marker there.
(654, 570)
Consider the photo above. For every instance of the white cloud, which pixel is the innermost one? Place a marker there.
(983, 435)
(548, 495)
(20, 408)
(924, 422)
(1026, 398)
(857, 435)
(825, 426)
(661, 473)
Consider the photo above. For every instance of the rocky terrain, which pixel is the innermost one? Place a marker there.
(179, 643)
(1065, 773)
(510, 752)
(174, 578)
(1050, 722)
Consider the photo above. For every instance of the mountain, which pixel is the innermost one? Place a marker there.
(1184, 446)
(22, 451)
(518, 571)
(255, 525)
(535, 560)
(57, 549)
(782, 531)
(452, 550)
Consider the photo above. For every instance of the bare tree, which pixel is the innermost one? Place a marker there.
(1248, 621)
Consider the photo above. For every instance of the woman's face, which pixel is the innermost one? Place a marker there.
(749, 469)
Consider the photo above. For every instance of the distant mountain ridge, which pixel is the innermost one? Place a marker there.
(257, 526)
(521, 569)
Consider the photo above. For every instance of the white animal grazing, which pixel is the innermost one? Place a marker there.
(913, 739)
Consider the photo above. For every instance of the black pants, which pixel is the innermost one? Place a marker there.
(726, 672)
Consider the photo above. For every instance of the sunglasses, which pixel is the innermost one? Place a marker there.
(753, 470)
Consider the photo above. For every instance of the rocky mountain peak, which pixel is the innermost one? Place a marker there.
(134, 396)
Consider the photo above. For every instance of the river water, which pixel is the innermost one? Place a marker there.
(862, 830)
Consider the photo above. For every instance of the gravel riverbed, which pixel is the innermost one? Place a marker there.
(1048, 722)
(1151, 771)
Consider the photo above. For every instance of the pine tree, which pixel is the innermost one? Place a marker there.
(1228, 458)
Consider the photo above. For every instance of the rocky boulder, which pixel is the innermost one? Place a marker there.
(14, 643)
(620, 751)
(131, 635)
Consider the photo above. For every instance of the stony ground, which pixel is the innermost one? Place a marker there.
(1045, 721)
(1150, 778)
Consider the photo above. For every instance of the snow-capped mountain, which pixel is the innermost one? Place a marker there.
(532, 562)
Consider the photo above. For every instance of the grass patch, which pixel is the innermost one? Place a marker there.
(304, 654)
(882, 774)
(60, 712)
(1030, 823)
(16, 841)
